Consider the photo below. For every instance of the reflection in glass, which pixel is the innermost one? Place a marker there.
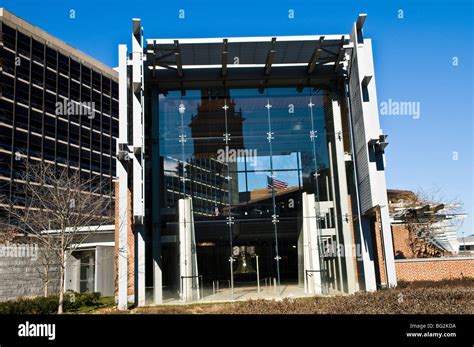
(245, 159)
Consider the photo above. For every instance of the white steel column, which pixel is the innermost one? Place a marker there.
(311, 268)
(187, 251)
(387, 245)
(138, 161)
(343, 196)
(123, 184)
(339, 275)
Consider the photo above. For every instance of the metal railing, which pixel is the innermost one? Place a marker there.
(269, 282)
(215, 285)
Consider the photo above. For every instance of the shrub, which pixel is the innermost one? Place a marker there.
(49, 305)
(38, 305)
(42, 305)
(89, 299)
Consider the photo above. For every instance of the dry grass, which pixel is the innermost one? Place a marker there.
(446, 297)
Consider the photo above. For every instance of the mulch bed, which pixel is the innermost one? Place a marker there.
(445, 297)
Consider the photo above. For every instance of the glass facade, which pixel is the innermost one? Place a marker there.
(246, 159)
(263, 171)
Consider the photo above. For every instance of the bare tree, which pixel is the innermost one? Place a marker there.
(46, 264)
(7, 233)
(59, 209)
(429, 213)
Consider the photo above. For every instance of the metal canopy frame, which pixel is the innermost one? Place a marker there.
(261, 58)
(265, 62)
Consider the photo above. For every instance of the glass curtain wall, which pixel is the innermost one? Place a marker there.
(246, 161)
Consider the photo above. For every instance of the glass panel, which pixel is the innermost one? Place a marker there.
(245, 158)
(86, 271)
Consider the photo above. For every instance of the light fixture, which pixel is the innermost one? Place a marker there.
(181, 108)
(206, 244)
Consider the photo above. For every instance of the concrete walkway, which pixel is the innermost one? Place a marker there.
(246, 293)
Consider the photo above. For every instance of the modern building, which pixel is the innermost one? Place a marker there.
(466, 244)
(250, 165)
(57, 105)
(421, 228)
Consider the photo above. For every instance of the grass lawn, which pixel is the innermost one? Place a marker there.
(445, 297)
(102, 303)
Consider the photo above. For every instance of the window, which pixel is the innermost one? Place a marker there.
(63, 64)
(23, 44)
(51, 58)
(9, 36)
(38, 52)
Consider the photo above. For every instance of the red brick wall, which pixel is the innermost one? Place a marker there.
(434, 269)
(379, 249)
(401, 246)
(131, 243)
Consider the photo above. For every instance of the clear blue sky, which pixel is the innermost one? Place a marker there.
(413, 62)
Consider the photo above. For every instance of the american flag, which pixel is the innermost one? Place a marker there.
(274, 183)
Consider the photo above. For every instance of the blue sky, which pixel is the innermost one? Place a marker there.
(413, 62)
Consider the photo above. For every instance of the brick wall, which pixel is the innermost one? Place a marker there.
(131, 243)
(434, 269)
(401, 246)
(379, 249)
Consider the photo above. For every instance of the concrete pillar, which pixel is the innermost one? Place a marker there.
(139, 265)
(311, 261)
(122, 175)
(387, 244)
(138, 191)
(342, 197)
(187, 252)
(367, 254)
(338, 272)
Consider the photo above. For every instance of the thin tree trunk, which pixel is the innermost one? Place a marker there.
(46, 281)
(61, 272)
(61, 289)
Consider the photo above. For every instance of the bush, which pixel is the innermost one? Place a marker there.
(42, 305)
(455, 282)
(49, 305)
(89, 299)
(38, 305)
(73, 300)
